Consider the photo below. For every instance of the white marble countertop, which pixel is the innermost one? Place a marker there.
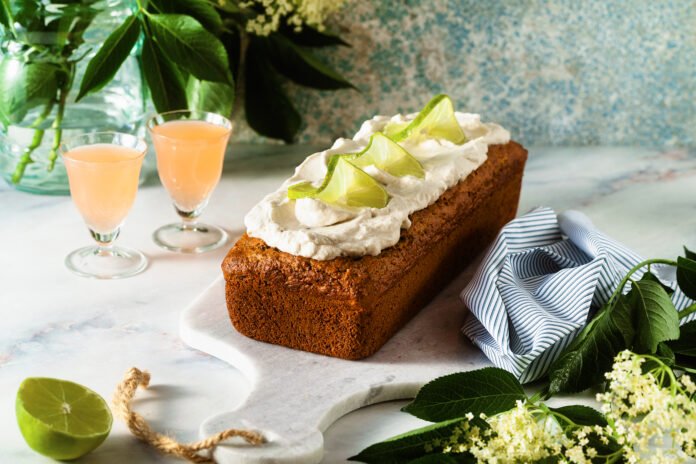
(56, 324)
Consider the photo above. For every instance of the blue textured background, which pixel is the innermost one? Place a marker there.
(553, 72)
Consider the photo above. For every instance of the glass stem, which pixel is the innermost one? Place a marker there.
(188, 218)
(104, 241)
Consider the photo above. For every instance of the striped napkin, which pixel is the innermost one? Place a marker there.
(538, 284)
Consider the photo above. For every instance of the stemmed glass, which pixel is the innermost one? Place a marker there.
(190, 148)
(103, 170)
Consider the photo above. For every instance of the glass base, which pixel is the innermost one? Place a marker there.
(190, 238)
(106, 263)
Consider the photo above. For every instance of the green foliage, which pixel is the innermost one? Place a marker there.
(268, 109)
(299, 65)
(200, 10)
(583, 363)
(412, 445)
(163, 79)
(686, 274)
(655, 316)
(191, 49)
(185, 42)
(489, 391)
(103, 67)
(581, 415)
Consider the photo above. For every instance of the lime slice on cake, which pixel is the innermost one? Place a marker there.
(388, 156)
(436, 120)
(345, 184)
(61, 419)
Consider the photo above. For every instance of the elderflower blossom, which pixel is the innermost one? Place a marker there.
(652, 423)
(651, 418)
(294, 13)
(518, 435)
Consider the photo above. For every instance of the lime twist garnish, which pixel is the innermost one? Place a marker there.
(61, 419)
(436, 120)
(345, 184)
(388, 156)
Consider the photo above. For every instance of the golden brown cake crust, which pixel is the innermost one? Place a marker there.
(349, 307)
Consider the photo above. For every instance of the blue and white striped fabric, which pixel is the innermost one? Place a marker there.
(536, 286)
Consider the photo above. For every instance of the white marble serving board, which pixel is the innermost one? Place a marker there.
(295, 396)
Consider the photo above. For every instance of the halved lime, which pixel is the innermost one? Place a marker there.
(345, 184)
(61, 419)
(436, 120)
(388, 156)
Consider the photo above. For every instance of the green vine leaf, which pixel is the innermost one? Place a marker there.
(268, 109)
(686, 274)
(412, 445)
(656, 318)
(301, 66)
(116, 48)
(490, 390)
(201, 10)
(584, 362)
(163, 79)
(185, 42)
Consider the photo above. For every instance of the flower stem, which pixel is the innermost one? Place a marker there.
(57, 125)
(636, 268)
(36, 140)
(687, 311)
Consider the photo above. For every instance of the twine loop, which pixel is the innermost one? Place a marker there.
(198, 451)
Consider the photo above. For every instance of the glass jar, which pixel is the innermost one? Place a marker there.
(44, 56)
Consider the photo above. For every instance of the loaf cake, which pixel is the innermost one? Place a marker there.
(339, 280)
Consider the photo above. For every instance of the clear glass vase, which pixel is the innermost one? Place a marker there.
(43, 58)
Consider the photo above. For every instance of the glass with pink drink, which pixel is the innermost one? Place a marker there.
(190, 148)
(103, 170)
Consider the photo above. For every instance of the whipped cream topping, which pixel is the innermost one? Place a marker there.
(314, 229)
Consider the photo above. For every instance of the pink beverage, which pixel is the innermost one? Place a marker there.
(103, 181)
(190, 155)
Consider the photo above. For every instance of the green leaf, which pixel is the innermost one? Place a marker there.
(656, 318)
(163, 79)
(185, 42)
(686, 275)
(580, 415)
(310, 37)
(686, 344)
(6, 14)
(412, 445)
(489, 390)
(268, 109)
(104, 65)
(689, 254)
(300, 65)
(214, 97)
(201, 10)
(24, 86)
(440, 458)
(652, 277)
(584, 362)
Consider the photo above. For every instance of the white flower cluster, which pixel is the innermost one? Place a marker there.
(651, 415)
(295, 13)
(651, 418)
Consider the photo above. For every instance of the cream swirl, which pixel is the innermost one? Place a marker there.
(314, 229)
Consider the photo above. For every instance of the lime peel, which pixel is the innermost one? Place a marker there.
(435, 120)
(344, 184)
(61, 419)
(389, 156)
